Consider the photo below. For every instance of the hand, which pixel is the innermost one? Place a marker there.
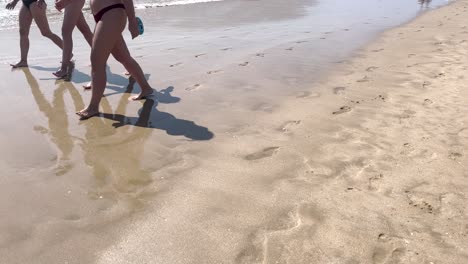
(133, 28)
(41, 4)
(11, 5)
(61, 4)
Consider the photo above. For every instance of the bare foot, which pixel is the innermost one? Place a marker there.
(143, 95)
(87, 113)
(127, 73)
(87, 86)
(65, 74)
(20, 64)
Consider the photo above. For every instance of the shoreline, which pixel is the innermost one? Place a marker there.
(366, 167)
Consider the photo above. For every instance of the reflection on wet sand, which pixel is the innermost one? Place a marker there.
(113, 146)
(57, 121)
(115, 155)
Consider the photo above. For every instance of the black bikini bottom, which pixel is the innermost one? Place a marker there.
(27, 3)
(98, 16)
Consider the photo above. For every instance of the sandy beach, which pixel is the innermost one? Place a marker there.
(259, 146)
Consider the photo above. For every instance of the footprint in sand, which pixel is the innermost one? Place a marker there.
(364, 79)
(288, 124)
(264, 153)
(194, 87)
(225, 49)
(301, 41)
(175, 65)
(307, 94)
(339, 90)
(378, 50)
(260, 55)
(342, 110)
(407, 114)
(215, 71)
(291, 48)
(389, 250)
(374, 182)
(420, 204)
(380, 97)
(199, 55)
(427, 102)
(72, 217)
(426, 84)
(323, 38)
(455, 156)
(244, 64)
(371, 69)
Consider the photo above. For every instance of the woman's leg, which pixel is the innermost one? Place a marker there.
(83, 27)
(39, 15)
(25, 20)
(121, 54)
(70, 18)
(107, 33)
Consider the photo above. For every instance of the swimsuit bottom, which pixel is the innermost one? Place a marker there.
(27, 3)
(101, 12)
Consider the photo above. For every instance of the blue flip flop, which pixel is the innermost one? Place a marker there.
(141, 28)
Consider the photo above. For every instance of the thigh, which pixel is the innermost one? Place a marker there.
(71, 14)
(120, 50)
(107, 33)
(83, 27)
(39, 16)
(25, 19)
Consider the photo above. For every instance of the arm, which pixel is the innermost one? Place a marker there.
(132, 22)
(12, 4)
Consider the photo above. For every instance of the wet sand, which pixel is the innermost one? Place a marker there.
(366, 164)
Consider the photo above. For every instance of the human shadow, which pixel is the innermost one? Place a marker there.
(150, 117)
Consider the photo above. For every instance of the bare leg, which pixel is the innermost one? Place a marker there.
(25, 20)
(70, 19)
(39, 15)
(83, 27)
(121, 53)
(107, 33)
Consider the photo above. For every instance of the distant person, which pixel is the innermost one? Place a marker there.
(424, 2)
(111, 17)
(32, 10)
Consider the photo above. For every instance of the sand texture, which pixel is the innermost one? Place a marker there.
(244, 155)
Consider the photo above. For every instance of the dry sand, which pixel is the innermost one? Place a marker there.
(367, 165)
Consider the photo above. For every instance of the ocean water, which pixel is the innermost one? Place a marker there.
(9, 18)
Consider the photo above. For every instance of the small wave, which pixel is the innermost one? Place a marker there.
(172, 3)
(9, 18)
